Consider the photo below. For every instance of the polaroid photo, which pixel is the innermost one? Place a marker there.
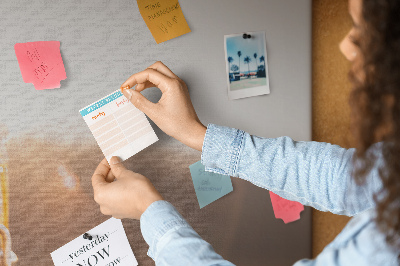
(246, 65)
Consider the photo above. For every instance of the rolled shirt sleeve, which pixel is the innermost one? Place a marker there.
(312, 173)
(316, 174)
(172, 241)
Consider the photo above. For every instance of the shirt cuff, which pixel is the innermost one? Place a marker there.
(221, 150)
(158, 219)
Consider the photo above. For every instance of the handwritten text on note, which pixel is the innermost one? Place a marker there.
(164, 19)
(209, 186)
(41, 63)
(118, 126)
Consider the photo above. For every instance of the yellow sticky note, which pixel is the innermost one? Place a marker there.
(164, 18)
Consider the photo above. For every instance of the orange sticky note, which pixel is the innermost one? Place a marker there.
(41, 63)
(164, 18)
(284, 209)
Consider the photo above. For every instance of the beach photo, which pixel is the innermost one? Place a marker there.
(246, 65)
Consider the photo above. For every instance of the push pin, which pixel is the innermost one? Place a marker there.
(87, 236)
(246, 36)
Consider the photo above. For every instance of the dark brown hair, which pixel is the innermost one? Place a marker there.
(375, 102)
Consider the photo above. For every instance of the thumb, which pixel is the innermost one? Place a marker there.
(138, 100)
(117, 167)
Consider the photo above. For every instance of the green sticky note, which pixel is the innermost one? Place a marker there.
(209, 186)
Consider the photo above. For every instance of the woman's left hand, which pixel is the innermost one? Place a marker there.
(126, 197)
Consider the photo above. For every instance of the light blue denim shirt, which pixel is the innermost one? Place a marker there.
(312, 173)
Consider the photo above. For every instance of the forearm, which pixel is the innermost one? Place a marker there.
(312, 173)
(172, 241)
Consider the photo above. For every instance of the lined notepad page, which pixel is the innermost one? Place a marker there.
(118, 126)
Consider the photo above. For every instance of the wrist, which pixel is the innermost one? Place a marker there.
(148, 202)
(196, 137)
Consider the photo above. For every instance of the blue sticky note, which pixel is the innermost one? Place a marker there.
(209, 186)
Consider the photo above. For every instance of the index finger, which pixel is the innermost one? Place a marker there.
(160, 80)
(160, 67)
(100, 174)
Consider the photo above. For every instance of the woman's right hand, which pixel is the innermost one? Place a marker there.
(173, 113)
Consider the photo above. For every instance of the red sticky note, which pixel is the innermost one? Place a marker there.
(284, 209)
(41, 63)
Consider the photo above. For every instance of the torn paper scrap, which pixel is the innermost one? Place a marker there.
(164, 18)
(209, 186)
(41, 63)
(284, 209)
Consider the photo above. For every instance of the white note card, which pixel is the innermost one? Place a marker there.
(118, 126)
(108, 247)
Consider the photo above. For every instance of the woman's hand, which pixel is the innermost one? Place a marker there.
(174, 112)
(126, 197)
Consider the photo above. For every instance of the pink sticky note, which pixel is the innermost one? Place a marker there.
(284, 209)
(41, 63)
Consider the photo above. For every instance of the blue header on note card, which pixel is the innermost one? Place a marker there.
(100, 103)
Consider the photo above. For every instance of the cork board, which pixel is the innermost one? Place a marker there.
(331, 88)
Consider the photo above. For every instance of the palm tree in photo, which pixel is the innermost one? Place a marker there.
(262, 59)
(234, 68)
(230, 60)
(255, 58)
(247, 60)
(239, 54)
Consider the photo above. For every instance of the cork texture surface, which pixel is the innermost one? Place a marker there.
(330, 97)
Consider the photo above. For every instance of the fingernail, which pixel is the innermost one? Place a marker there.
(115, 160)
(129, 92)
(125, 88)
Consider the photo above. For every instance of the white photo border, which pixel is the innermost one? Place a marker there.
(248, 92)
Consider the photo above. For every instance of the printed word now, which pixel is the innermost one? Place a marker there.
(95, 258)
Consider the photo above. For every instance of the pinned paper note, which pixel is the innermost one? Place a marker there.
(41, 63)
(209, 186)
(108, 246)
(284, 209)
(164, 18)
(118, 126)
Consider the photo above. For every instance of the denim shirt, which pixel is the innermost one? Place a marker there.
(312, 173)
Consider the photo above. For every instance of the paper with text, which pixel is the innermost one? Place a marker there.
(209, 186)
(109, 246)
(164, 18)
(41, 63)
(118, 126)
(287, 210)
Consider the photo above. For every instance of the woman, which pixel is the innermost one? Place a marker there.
(320, 175)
